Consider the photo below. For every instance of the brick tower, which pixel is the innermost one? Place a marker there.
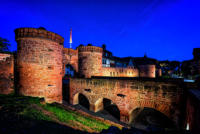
(39, 63)
(90, 61)
(147, 70)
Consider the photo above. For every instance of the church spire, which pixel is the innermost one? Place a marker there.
(70, 40)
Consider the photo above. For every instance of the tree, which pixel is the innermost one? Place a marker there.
(4, 44)
(89, 44)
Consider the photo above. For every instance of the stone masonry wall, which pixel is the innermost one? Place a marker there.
(70, 56)
(129, 94)
(120, 72)
(90, 61)
(147, 71)
(87, 61)
(6, 73)
(39, 63)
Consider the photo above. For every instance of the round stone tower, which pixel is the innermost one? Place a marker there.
(39, 63)
(90, 61)
(147, 70)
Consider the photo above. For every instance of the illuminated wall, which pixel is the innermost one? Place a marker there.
(6, 73)
(120, 72)
(40, 63)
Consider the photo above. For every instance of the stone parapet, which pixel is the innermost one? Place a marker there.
(69, 51)
(38, 33)
(90, 49)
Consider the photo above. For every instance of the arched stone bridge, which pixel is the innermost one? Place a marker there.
(129, 94)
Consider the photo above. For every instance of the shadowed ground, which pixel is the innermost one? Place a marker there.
(150, 118)
(28, 115)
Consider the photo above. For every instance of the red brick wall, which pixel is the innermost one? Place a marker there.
(147, 71)
(163, 96)
(159, 72)
(90, 61)
(70, 56)
(120, 72)
(6, 73)
(39, 63)
(87, 61)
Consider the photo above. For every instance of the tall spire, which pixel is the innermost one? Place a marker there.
(70, 40)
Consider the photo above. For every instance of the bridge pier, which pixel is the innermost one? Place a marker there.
(93, 108)
(97, 106)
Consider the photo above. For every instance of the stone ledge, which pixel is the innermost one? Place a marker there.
(90, 49)
(70, 51)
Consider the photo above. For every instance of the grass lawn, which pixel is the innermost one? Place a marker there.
(28, 112)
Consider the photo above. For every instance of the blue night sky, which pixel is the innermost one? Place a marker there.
(164, 29)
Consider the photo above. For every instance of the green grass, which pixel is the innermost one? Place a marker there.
(23, 106)
(67, 116)
(35, 114)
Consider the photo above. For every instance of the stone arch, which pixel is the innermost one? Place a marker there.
(111, 107)
(150, 115)
(108, 105)
(161, 107)
(80, 98)
(134, 112)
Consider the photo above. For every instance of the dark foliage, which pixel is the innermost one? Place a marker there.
(4, 44)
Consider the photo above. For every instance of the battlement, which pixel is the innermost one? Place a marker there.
(90, 49)
(119, 72)
(38, 33)
(69, 51)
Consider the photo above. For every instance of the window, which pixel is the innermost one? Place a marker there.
(121, 95)
(104, 61)
(88, 90)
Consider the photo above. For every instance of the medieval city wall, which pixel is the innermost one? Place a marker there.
(119, 72)
(89, 61)
(147, 71)
(6, 73)
(70, 56)
(39, 63)
(129, 94)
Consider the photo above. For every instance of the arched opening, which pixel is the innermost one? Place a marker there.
(83, 101)
(69, 71)
(111, 108)
(149, 119)
(106, 102)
